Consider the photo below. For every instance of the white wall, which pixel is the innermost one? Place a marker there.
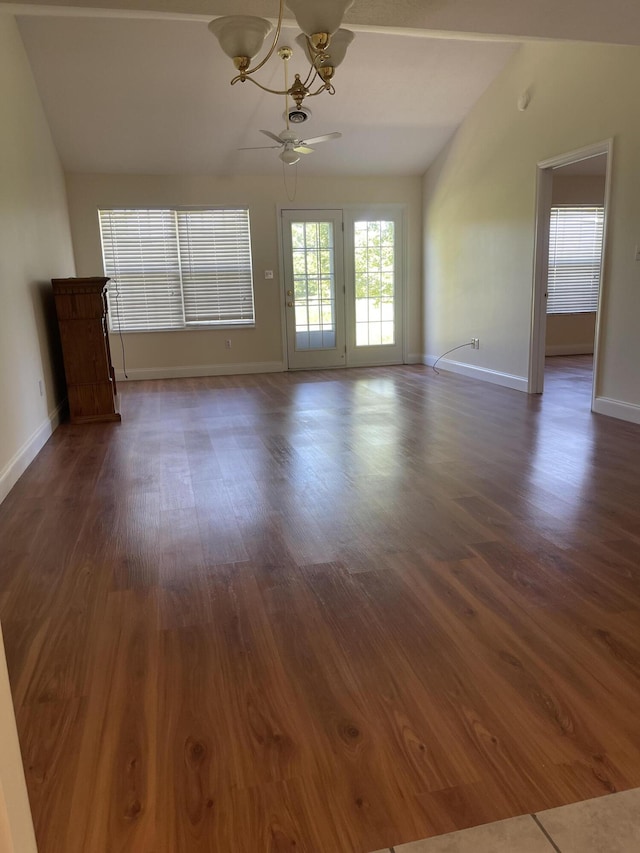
(479, 207)
(155, 353)
(35, 245)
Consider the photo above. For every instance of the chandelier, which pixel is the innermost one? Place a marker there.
(325, 45)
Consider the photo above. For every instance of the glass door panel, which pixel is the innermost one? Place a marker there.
(375, 309)
(313, 259)
(374, 254)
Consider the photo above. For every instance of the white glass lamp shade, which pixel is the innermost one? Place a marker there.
(241, 35)
(289, 156)
(336, 51)
(319, 17)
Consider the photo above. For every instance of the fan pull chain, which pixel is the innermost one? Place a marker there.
(286, 93)
(291, 197)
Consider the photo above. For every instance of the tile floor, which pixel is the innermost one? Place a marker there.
(608, 824)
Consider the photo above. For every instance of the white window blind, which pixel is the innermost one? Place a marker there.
(176, 269)
(215, 255)
(575, 251)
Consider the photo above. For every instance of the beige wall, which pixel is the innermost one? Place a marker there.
(570, 334)
(574, 333)
(16, 826)
(479, 208)
(578, 189)
(155, 352)
(35, 246)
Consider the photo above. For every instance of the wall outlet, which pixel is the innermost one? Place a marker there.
(40, 388)
(227, 343)
(477, 343)
(268, 274)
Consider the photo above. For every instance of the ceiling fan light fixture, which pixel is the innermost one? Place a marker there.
(241, 36)
(319, 18)
(289, 156)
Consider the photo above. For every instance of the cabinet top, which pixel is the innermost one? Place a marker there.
(92, 284)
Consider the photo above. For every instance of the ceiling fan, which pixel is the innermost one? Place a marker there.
(291, 144)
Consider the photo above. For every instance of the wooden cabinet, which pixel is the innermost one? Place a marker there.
(81, 305)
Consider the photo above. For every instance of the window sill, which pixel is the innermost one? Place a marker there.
(205, 327)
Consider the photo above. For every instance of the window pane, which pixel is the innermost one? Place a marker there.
(140, 256)
(374, 260)
(215, 258)
(312, 248)
(575, 251)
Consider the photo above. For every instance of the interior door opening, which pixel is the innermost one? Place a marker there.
(569, 274)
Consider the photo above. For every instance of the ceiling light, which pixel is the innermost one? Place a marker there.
(241, 37)
(289, 156)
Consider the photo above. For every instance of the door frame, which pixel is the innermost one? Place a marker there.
(544, 184)
(348, 212)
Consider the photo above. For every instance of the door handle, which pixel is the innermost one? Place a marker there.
(290, 304)
(289, 292)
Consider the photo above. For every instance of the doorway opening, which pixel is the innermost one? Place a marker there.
(569, 271)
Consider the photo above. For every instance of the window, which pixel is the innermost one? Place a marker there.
(575, 251)
(177, 269)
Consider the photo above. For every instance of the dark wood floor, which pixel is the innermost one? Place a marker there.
(328, 612)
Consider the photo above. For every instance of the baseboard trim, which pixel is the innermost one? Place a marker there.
(21, 460)
(484, 374)
(570, 349)
(195, 370)
(617, 409)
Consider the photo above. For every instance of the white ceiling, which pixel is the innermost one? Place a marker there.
(146, 95)
(617, 21)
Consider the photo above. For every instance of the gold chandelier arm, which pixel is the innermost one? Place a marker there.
(311, 76)
(271, 49)
(313, 71)
(259, 85)
(326, 87)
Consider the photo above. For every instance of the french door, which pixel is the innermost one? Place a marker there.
(314, 282)
(343, 287)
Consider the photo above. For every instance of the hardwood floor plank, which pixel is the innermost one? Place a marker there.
(114, 804)
(50, 736)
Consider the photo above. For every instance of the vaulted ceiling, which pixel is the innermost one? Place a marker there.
(146, 90)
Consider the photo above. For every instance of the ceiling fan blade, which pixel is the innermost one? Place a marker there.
(258, 148)
(272, 136)
(303, 149)
(324, 138)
